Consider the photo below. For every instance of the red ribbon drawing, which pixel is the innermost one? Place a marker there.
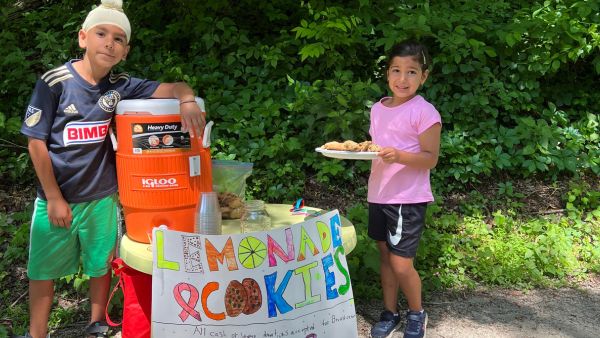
(187, 307)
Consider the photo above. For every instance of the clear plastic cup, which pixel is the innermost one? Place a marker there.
(208, 214)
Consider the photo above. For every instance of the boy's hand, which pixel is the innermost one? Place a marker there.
(59, 212)
(389, 155)
(192, 118)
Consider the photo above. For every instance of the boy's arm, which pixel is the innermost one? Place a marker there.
(192, 117)
(429, 141)
(59, 212)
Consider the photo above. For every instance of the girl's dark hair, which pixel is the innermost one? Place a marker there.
(417, 50)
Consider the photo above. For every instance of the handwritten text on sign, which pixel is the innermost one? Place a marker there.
(288, 282)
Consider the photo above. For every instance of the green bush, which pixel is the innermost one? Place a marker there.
(508, 251)
(513, 81)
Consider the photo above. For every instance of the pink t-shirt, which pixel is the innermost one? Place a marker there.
(399, 127)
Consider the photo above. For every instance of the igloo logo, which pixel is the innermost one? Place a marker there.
(159, 182)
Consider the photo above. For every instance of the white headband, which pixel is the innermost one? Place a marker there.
(109, 12)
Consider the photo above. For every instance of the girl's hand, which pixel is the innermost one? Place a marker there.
(389, 155)
(192, 118)
(59, 213)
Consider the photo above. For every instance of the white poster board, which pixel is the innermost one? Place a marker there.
(287, 282)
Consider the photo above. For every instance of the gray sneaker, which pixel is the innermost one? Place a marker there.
(97, 329)
(27, 335)
(416, 324)
(387, 324)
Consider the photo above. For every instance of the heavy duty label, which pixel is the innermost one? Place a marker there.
(159, 138)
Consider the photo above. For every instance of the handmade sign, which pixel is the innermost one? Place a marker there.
(287, 282)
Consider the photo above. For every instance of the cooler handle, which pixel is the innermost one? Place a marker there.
(206, 137)
(113, 138)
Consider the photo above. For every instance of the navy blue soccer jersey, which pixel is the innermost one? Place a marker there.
(73, 117)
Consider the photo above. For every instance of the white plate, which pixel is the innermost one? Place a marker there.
(348, 155)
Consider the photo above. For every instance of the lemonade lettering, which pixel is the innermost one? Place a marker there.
(322, 263)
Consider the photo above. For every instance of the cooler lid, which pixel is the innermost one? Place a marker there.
(153, 106)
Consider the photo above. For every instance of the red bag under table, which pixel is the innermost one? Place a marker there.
(137, 300)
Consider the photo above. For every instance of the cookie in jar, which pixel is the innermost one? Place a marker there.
(231, 205)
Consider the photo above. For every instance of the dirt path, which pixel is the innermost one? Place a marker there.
(568, 312)
(487, 313)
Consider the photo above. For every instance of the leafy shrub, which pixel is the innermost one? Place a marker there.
(513, 82)
(363, 261)
(507, 252)
(583, 198)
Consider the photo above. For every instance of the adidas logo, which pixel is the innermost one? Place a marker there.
(71, 109)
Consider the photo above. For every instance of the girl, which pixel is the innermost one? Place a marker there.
(408, 128)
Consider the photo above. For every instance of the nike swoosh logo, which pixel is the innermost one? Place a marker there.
(394, 238)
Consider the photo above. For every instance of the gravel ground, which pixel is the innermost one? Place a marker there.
(565, 312)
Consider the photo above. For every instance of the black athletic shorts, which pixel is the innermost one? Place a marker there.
(399, 225)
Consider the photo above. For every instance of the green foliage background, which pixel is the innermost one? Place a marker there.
(516, 83)
(513, 82)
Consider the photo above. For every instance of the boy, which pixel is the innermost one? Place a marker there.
(66, 123)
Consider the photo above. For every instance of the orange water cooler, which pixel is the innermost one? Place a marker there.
(160, 169)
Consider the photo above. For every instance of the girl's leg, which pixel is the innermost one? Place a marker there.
(409, 280)
(41, 295)
(99, 289)
(389, 282)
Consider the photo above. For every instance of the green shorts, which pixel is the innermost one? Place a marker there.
(55, 252)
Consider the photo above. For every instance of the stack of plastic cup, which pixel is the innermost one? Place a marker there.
(208, 214)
